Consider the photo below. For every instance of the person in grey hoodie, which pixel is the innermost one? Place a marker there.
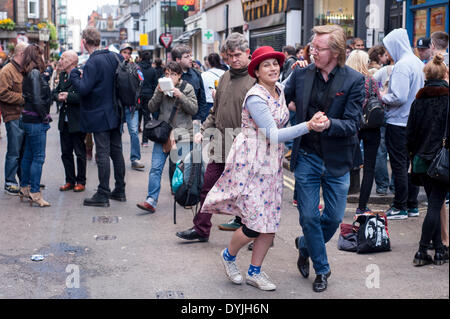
(406, 80)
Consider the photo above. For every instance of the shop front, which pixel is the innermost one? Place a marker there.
(266, 20)
(423, 17)
(340, 12)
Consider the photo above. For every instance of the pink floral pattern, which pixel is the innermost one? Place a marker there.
(252, 182)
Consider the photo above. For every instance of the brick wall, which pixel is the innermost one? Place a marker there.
(7, 6)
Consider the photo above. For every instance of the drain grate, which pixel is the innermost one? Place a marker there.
(105, 237)
(169, 295)
(105, 219)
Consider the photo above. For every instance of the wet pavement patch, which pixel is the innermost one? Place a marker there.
(170, 295)
(105, 219)
(105, 237)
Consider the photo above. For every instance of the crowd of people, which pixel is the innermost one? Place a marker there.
(247, 106)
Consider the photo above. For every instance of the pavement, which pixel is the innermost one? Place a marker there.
(118, 252)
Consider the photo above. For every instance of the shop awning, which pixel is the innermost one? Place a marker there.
(187, 35)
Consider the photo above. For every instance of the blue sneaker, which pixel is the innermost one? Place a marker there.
(394, 213)
(413, 212)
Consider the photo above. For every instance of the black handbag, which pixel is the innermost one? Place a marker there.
(438, 169)
(159, 131)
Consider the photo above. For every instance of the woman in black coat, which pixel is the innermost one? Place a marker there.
(426, 130)
(35, 122)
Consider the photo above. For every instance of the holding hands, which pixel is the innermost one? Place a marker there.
(319, 122)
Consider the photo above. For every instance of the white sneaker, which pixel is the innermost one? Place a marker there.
(232, 270)
(261, 281)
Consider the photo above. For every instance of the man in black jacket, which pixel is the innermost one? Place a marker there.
(291, 58)
(71, 137)
(100, 115)
(324, 159)
(182, 54)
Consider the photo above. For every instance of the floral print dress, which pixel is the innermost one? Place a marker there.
(252, 182)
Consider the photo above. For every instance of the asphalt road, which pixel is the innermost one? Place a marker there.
(117, 252)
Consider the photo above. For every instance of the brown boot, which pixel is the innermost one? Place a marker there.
(24, 192)
(37, 199)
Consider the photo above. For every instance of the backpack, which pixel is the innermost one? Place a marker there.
(129, 80)
(373, 111)
(372, 233)
(187, 180)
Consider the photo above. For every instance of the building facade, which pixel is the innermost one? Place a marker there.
(32, 21)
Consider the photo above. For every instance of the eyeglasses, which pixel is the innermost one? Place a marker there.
(319, 50)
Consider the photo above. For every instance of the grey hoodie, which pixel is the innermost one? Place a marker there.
(406, 80)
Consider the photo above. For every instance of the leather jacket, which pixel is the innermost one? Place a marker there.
(37, 95)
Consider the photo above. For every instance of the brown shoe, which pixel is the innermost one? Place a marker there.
(66, 187)
(36, 199)
(79, 188)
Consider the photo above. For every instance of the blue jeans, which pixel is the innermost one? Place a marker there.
(15, 135)
(310, 174)
(158, 161)
(132, 119)
(34, 154)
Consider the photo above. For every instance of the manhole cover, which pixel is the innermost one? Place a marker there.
(105, 219)
(105, 237)
(169, 295)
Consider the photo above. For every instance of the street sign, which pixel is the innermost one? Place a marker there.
(186, 5)
(166, 39)
(143, 39)
(207, 36)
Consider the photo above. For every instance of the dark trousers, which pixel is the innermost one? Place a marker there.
(144, 114)
(371, 141)
(109, 145)
(431, 228)
(70, 143)
(202, 221)
(405, 192)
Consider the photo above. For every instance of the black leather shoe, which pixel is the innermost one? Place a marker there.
(321, 282)
(118, 196)
(98, 200)
(421, 258)
(302, 262)
(191, 234)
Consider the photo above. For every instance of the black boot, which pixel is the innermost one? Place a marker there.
(441, 256)
(98, 200)
(118, 195)
(422, 258)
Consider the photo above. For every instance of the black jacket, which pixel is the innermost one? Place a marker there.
(195, 79)
(426, 122)
(287, 67)
(70, 107)
(37, 95)
(150, 79)
(99, 108)
(345, 97)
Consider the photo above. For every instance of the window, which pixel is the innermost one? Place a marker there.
(340, 12)
(33, 9)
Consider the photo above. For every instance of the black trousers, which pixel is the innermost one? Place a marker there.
(431, 228)
(405, 192)
(109, 145)
(145, 114)
(371, 142)
(70, 143)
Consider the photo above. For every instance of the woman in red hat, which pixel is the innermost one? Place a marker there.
(252, 183)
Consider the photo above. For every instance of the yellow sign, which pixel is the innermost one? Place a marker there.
(143, 39)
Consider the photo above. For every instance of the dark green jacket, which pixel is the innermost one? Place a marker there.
(70, 107)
